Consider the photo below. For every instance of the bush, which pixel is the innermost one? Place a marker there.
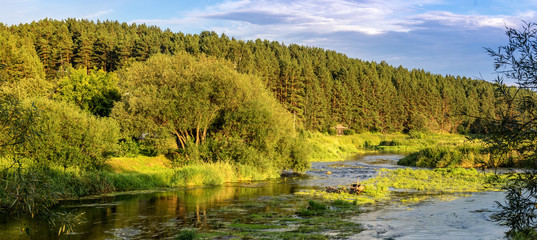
(441, 157)
(349, 132)
(128, 148)
(69, 136)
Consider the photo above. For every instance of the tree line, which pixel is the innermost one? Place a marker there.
(320, 88)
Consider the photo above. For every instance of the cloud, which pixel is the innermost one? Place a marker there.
(475, 21)
(98, 14)
(369, 17)
(372, 17)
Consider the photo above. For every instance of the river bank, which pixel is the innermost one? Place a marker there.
(250, 209)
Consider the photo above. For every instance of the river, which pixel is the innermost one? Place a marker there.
(158, 214)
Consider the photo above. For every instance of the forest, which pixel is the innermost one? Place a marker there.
(74, 93)
(320, 88)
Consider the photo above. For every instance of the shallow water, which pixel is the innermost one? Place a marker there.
(159, 215)
(461, 218)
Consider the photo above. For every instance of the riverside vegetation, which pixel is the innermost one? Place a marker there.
(96, 107)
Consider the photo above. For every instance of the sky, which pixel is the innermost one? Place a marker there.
(439, 36)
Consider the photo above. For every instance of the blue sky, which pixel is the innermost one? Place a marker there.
(440, 36)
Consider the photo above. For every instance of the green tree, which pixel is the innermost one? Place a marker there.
(213, 112)
(95, 92)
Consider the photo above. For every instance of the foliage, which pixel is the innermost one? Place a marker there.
(469, 155)
(95, 92)
(334, 148)
(188, 234)
(314, 209)
(518, 212)
(320, 88)
(214, 113)
(513, 131)
(23, 191)
(26, 192)
(18, 58)
(16, 125)
(70, 136)
(514, 128)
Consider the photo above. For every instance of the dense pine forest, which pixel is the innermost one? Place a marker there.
(320, 88)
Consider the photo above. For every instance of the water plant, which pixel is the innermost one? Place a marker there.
(286, 218)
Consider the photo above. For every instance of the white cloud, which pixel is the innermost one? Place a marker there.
(472, 21)
(277, 18)
(98, 14)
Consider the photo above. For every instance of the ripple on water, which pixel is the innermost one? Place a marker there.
(461, 218)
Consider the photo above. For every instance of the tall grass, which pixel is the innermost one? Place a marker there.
(334, 148)
(138, 173)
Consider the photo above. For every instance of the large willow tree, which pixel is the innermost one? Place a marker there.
(207, 106)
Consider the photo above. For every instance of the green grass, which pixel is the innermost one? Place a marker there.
(333, 148)
(138, 173)
(439, 183)
(440, 180)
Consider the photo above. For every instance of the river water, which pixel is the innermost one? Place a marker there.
(158, 215)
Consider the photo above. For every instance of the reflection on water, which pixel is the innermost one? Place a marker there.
(148, 215)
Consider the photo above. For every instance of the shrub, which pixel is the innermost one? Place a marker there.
(349, 132)
(69, 136)
(443, 157)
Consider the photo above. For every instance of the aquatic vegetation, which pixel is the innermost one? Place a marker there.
(187, 234)
(279, 219)
(428, 183)
(314, 209)
(442, 180)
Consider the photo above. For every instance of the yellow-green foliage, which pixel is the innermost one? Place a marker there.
(467, 155)
(372, 194)
(69, 136)
(213, 112)
(193, 175)
(437, 180)
(334, 148)
(139, 173)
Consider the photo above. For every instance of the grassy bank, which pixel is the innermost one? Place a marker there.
(470, 155)
(125, 174)
(335, 148)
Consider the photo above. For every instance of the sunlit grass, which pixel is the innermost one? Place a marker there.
(335, 148)
(429, 183)
(137, 173)
(438, 180)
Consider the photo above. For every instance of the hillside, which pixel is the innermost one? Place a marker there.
(321, 88)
